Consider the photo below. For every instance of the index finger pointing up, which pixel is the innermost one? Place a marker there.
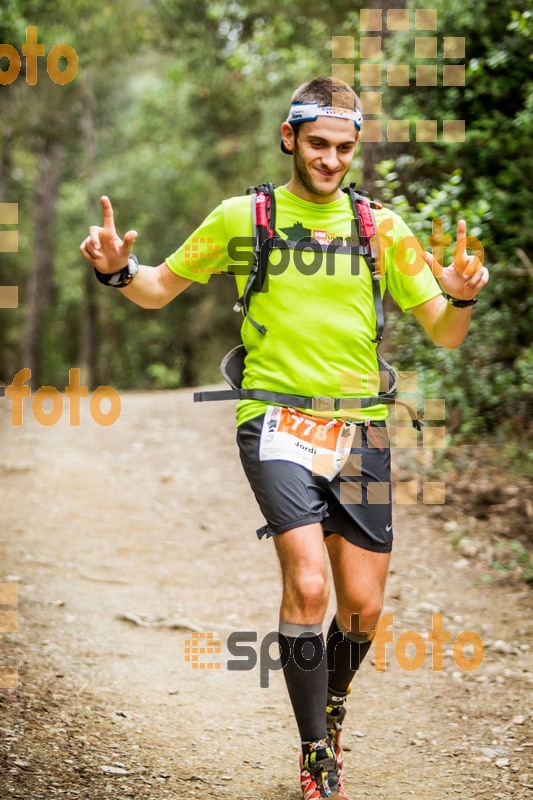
(461, 229)
(109, 221)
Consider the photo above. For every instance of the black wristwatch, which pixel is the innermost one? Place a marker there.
(453, 301)
(121, 278)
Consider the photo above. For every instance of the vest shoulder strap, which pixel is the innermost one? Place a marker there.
(263, 228)
(363, 210)
(264, 231)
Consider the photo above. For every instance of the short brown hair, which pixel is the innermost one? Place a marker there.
(327, 91)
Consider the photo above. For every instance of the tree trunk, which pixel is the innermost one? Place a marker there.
(40, 279)
(89, 345)
(374, 152)
(6, 165)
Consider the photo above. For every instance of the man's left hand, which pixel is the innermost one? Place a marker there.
(465, 278)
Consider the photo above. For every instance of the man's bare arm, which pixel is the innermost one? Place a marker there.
(154, 287)
(444, 323)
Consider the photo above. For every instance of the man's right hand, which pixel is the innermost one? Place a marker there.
(103, 248)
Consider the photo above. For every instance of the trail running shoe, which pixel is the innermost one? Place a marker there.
(319, 776)
(334, 719)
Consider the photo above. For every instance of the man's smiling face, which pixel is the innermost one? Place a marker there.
(322, 155)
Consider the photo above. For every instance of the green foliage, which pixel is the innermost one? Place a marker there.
(487, 382)
(186, 101)
(12, 23)
(496, 104)
(489, 379)
(512, 556)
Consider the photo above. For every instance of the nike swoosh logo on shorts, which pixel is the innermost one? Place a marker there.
(388, 527)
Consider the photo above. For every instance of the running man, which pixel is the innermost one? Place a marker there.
(317, 330)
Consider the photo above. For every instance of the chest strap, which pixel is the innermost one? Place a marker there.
(317, 404)
(265, 240)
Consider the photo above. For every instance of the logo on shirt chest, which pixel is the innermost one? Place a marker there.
(321, 236)
(298, 233)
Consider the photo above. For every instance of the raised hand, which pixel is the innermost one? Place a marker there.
(103, 248)
(466, 276)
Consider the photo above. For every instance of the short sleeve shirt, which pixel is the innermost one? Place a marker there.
(317, 307)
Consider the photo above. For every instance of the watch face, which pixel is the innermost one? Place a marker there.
(121, 278)
(124, 277)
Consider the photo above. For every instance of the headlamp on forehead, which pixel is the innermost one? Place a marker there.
(309, 112)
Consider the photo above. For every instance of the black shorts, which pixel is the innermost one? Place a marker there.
(356, 507)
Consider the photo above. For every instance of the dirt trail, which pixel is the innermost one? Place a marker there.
(152, 516)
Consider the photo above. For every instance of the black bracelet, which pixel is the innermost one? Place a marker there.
(121, 278)
(453, 301)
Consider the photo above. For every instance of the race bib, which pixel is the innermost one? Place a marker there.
(321, 446)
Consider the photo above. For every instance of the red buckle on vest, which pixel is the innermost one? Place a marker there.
(365, 220)
(262, 207)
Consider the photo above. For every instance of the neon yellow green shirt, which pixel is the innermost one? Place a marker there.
(319, 326)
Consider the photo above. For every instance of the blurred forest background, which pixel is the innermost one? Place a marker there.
(177, 105)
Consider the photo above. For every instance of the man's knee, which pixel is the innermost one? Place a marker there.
(361, 617)
(310, 590)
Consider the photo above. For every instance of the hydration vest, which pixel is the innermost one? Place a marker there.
(265, 240)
